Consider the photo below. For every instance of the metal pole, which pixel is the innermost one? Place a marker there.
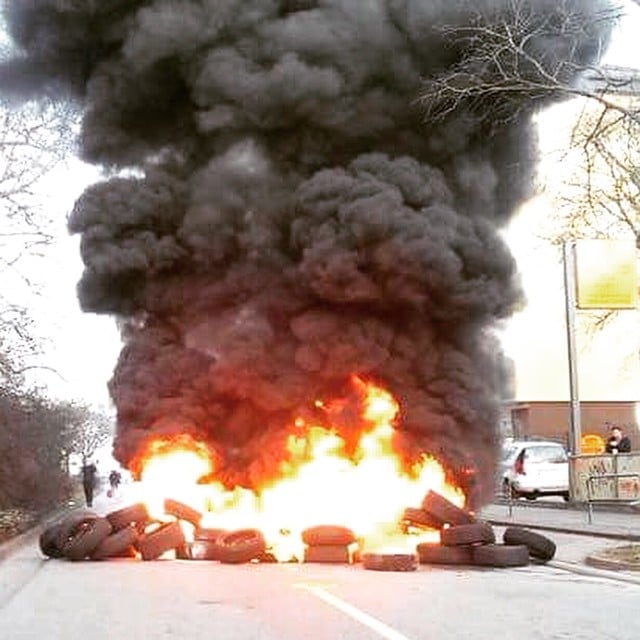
(575, 434)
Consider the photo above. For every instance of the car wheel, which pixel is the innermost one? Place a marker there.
(540, 547)
(531, 496)
(241, 546)
(565, 496)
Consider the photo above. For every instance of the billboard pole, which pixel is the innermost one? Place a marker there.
(575, 434)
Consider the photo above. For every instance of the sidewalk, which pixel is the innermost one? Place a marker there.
(617, 525)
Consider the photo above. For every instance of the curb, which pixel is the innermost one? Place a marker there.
(593, 533)
(594, 572)
(575, 507)
(601, 560)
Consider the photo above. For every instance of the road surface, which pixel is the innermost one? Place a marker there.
(131, 599)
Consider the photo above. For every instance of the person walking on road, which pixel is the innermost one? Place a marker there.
(617, 442)
(114, 482)
(89, 471)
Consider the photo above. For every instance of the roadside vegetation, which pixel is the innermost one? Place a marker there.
(39, 435)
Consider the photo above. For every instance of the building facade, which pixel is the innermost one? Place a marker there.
(551, 419)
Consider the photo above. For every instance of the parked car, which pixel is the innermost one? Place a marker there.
(533, 468)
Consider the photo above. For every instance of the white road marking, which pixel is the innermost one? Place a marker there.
(374, 624)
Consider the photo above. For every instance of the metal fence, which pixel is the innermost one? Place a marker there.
(605, 478)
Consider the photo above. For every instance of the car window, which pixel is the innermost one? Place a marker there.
(546, 454)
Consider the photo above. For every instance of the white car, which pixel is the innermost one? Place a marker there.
(533, 468)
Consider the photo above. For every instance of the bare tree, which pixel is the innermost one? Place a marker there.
(601, 197)
(34, 140)
(86, 430)
(518, 60)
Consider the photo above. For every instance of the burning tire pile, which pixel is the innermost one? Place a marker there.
(132, 533)
(467, 541)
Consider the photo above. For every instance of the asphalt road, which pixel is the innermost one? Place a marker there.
(131, 599)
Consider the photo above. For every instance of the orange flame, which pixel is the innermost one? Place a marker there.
(171, 469)
(366, 489)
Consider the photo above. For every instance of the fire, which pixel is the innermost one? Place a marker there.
(324, 481)
(172, 468)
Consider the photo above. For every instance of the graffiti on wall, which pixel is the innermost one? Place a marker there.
(606, 477)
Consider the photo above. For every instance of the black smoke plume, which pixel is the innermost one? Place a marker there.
(282, 215)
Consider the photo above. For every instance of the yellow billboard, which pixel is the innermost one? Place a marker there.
(606, 274)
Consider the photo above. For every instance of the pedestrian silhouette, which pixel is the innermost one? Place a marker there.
(89, 471)
(618, 442)
(114, 482)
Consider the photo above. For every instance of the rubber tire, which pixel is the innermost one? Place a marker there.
(136, 514)
(168, 536)
(445, 511)
(243, 545)
(328, 554)
(49, 541)
(437, 554)
(328, 534)
(198, 550)
(390, 561)
(463, 534)
(420, 518)
(85, 537)
(540, 547)
(116, 544)
(70, 521)
(209, 535)
(182, 511)
(499, 555)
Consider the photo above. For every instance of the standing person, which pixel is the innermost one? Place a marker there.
(114, 481)
(617, 442)
(89, 471)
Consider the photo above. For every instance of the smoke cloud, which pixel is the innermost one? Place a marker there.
(282, 215)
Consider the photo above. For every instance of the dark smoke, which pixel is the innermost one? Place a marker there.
(282, 215)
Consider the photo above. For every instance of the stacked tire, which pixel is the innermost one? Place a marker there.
(329, 544)
(464, 540)
(75, 537)
(204, 545)
(241, 546)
